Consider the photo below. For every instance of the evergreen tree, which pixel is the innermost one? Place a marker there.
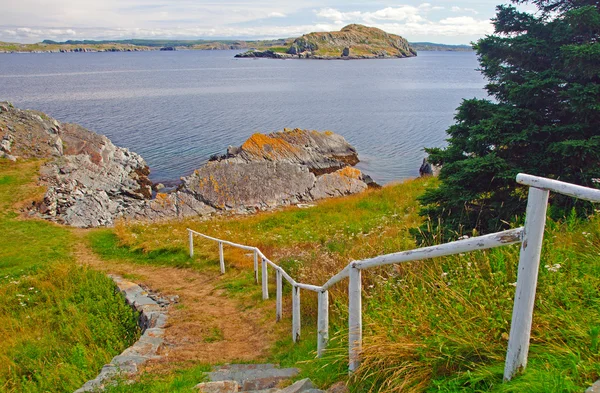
(543, 71)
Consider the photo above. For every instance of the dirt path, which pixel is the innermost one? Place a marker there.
(205, 326)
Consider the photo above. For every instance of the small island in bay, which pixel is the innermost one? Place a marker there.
(351, 42)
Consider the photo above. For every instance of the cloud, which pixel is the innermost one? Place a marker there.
(276, 15)
(459, 9)
(402, 13)
(413, 21)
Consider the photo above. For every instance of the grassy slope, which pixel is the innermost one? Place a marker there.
(440, 325)
(59, 322)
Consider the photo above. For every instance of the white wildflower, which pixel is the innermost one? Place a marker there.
(514, 284)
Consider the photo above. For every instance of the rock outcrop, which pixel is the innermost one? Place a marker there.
(91, 182)
(429, 169)
(278, 169)
(352, 42)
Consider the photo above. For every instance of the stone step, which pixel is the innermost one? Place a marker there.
(252, 376)
(302, 386)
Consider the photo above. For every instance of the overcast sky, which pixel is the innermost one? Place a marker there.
(450, 22)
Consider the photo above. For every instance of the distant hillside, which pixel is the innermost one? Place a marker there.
(361, 40)
(430, 46)
(351, 42)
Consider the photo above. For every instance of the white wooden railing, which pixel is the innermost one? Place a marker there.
(530, 236)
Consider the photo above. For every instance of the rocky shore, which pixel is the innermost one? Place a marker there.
(90, 182)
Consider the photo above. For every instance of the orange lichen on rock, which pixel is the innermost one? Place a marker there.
(268, 147)
(350, 172)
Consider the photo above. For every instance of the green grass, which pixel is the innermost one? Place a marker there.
(433, 326)
(181, 381)
(60, 323)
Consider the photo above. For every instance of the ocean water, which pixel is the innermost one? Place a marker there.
(177, 109)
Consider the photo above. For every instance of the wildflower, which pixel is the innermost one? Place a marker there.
(19, 295)
(553, 268)
(31, 288)
(596, 180)
(514, 284)
(444, 274)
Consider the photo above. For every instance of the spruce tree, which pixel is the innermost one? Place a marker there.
(543, 118)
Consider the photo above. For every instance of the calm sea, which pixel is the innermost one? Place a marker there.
(178, 108)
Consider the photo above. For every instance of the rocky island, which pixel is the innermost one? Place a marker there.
(90, 182)
(352, 42)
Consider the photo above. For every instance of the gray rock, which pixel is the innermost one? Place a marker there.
(300, 386)
(595, 388)
(279, 169)
(345, 181)
(250, 186)
(428, 169)
(252, 377)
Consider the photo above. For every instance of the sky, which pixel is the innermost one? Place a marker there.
(442, 21)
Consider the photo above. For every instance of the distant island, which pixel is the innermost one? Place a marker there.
(280, 46)
(351, 42)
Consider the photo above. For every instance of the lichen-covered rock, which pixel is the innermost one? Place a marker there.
(250, 186)
(343, 182)
(321, 152)
(278, 169)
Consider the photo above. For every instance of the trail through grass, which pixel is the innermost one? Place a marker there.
(438, 325)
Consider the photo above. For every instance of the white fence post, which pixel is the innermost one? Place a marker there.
(221, 258)
(256, 265)
(265, 280)
(279, 295)
(323, 322)
(529, 264)
(296, 324)
(355, 318)
(191, 242)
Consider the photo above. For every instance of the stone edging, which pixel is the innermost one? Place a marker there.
(153, 317)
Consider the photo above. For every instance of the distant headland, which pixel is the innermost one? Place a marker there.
(377, 44)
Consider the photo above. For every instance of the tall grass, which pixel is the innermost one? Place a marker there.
(437, 325)
(59, 323)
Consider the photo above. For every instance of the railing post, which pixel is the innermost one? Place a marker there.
(355, 318)
(191, 243)
(265, 280)
(221, 258)
(529, 264)
(323, 322)
(279, 295)
(256, 265)
(296, 324)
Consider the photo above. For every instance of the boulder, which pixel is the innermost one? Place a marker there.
(278, 169)
(321, 152)
(250, 186)
(429, 169)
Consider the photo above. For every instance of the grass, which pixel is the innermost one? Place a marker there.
(181, 381)
(434, 326)
(60, 323)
